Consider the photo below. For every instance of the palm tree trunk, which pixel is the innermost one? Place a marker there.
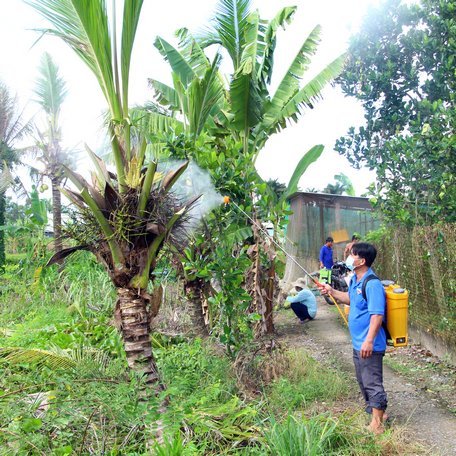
(56, 214)
(2, 233)
(194, 294)
(269, 301)
(135, 328)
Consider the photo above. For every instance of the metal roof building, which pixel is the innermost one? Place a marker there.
(317, 216)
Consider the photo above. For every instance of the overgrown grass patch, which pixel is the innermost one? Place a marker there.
(304, 382)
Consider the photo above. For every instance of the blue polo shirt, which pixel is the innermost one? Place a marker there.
(307, 298)
(361, 311)
(326, 256)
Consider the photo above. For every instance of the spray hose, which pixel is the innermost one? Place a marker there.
(227, 200)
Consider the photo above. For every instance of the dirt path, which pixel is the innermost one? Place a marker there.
(327, 338)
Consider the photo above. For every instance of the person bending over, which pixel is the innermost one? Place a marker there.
(304, 304)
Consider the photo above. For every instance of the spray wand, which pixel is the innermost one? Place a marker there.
(227, 200)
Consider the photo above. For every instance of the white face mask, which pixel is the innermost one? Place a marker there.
(350, 262)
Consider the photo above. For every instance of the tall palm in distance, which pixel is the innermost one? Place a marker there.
(13, 129)
(50, 92)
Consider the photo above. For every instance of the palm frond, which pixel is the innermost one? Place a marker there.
(61, 254)
(13, 127)
(83, 25)
(50, 88)
(151, 122)
(54, 359)
(6, 178)
(132, 11)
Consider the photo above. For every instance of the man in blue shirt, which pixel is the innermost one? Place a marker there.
(326, 254)
(365, 324)
(304, 304)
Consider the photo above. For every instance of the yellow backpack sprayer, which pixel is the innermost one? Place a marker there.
(396, 326)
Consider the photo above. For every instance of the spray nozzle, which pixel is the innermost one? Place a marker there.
(226, 200)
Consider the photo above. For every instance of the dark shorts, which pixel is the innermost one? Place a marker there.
(369, 373)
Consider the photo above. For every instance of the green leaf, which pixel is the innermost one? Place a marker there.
(289, 86)
(31, 424)
(177, 61)
(132, 11)
(165, 95)
(246, 102)
(229, 23)
(310, 157)
(203, 95)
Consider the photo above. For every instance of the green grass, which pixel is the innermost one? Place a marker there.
(92, 405)
(305, 382)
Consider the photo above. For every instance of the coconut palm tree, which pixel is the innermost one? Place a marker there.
(13, 128)
(50, 91)
(127, 216)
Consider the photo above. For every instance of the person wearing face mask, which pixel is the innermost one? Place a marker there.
(365, 325)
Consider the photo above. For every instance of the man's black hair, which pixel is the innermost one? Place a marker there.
(329, 239)
(354, 237)
(366, 251)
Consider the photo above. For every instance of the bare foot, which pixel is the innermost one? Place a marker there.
(376, 428)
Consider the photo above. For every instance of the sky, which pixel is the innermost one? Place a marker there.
(81, 114)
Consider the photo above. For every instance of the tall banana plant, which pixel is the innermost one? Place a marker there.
(125, 217)
(250, 42)
(250, 110)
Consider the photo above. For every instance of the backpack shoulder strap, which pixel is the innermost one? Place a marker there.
(366, 280)
(363, 292)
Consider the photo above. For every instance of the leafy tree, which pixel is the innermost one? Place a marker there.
(247, 110)
(401, 67)
(342, 185)
(50, 92)
(125, 218)
(13, 128)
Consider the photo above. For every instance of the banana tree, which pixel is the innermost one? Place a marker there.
(127, 216)
(248, 110)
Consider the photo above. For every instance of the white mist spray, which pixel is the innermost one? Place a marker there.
(193, 182)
